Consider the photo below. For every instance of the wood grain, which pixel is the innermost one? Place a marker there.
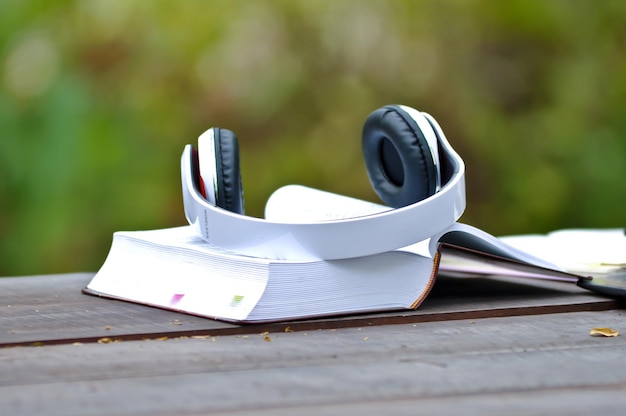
(545, 364)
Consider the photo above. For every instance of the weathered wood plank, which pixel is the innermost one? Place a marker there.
(567, 401)
(486, 366)
(51, 309)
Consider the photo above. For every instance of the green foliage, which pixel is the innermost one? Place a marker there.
(98, 98)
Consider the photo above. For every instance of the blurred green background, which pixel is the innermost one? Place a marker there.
(98, 98)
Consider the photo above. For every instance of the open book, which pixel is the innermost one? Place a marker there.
(175, 269)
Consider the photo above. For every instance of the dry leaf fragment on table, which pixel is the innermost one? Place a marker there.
(603, 332)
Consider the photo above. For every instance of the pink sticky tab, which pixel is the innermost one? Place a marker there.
(176, 298)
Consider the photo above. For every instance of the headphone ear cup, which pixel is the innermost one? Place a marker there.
(397, 156)
(229, 184)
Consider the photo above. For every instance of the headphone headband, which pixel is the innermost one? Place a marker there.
(333, 239)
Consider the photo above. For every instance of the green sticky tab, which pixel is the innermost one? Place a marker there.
(236, 300)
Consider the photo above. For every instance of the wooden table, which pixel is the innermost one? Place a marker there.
(477, 346)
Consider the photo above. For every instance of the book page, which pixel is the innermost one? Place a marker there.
(577, 250)
(473, 238)
(297, 203)
(459, 262)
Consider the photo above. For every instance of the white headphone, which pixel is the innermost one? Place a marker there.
(410, 164)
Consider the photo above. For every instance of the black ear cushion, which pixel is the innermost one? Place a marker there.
(397, 157)
(229, 187)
